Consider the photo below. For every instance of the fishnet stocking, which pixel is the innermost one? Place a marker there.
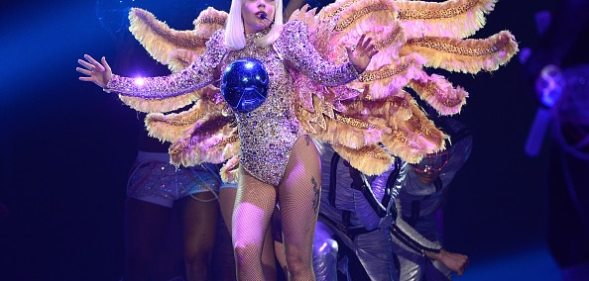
(253, 209)
(298, 195)
(299, 200)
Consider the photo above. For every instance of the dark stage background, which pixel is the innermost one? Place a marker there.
(66, 147)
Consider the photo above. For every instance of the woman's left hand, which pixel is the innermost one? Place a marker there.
(361, 55)
(453, 261)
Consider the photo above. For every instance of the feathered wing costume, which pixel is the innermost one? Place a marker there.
(370, 120)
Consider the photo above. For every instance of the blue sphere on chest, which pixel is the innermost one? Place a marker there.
(244, 84)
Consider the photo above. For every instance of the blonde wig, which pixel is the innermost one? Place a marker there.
(235, 32)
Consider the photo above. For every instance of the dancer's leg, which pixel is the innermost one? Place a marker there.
(253, 209)
(200, 221)
(299, 203)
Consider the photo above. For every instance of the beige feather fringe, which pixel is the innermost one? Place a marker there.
(172, 127)
(468, 56)
(158, 38)
(453, 18)
(176, 49)
(165, 105)
(374, 18)
(230, 170)
(439, 93)
(413, 134)
(370, 160)
(379, 12)
(389, 79)
(331, 127)
(161, 41)
(208, 142)
(209, 21)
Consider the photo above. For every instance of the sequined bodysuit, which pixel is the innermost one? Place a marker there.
(268, 133)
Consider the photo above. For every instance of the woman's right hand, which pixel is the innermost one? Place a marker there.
(97, 72)
(361, 55)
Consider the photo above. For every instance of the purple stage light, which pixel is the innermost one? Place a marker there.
(139, 81)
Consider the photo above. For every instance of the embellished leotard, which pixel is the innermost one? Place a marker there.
(268, 133)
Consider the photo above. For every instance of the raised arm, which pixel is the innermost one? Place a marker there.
(195, 76)
(294, 45)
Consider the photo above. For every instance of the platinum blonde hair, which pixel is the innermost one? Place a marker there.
(235, 31)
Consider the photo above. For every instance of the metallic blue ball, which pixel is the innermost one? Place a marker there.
(244, 84)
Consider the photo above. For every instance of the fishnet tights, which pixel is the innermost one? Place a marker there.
(298, 196)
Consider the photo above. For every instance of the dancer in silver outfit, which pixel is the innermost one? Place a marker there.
(360, 214)
(352, 215)
(424, 190)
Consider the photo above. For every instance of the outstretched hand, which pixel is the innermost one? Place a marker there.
(97, 72)
(453, 261)
(361, 55)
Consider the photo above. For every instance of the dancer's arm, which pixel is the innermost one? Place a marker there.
(411, 239)
(294, 45)
(454, 261)
(195, 76)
